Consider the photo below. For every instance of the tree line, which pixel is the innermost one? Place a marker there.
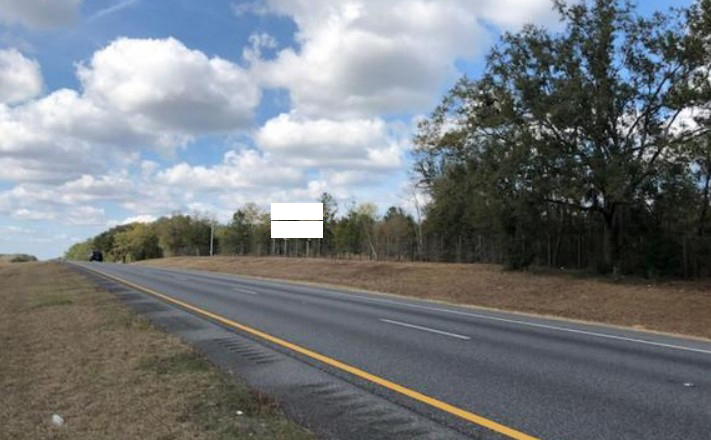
(586, 148)
(358, 233)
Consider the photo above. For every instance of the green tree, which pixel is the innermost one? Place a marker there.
(245, 233)
(397, 232)
(138, 242)
(584, 119)
(183, 235)
(80, 251)
(330, 209)
(366, 220)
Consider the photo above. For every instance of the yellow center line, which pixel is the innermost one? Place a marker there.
(431, 401)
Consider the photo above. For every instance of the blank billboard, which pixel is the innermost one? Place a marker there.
(297, 229)
(297, 211)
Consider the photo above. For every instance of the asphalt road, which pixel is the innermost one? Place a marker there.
(546, 378)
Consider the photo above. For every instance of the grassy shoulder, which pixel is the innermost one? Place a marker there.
(73, 350)
(677, 307)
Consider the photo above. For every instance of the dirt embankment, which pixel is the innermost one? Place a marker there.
(70, 349)
(678, 307)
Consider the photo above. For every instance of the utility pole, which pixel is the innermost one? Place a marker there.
(212, 237)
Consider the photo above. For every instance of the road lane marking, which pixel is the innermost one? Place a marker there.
(241, 290)
(427, 329)
(567, 329)
(415, 395)
(529, 324)
(303, 288)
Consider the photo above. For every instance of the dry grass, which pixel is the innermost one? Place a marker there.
(71, 349)
(676, 307)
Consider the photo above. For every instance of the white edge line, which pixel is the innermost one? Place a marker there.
(427, 329)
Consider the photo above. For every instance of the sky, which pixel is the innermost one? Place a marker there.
(114, 111)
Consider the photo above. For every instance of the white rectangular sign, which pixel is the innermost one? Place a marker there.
(297, 211)
(297, 229)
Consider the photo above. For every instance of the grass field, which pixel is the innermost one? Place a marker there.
(677, 307)
(73, 350)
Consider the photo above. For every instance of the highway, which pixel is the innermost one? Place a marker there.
(485, 374)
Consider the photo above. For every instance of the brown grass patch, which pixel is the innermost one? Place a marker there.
(71, 349)
(677, 307)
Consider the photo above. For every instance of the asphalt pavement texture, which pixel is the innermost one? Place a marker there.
(547, 378)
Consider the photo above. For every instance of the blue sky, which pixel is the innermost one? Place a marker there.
(115, 111)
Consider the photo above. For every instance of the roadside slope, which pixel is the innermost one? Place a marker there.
(74, 350)
(675, 307)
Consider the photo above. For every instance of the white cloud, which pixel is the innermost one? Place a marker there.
(40, 14)
(257, 42)
(368, 57)
(84, 216)
(136, 94)
(153, 192)
(263, 39)
(144, 218)
(355, 143)
(308, 192)
(164, 85)
(30, 214)
(84, 190)
(356, 64)
(690, 120)
(38, 170)
(89, 188)
(239, 170)
(20, 77)
(511, 14)
(349, 178)
(62, 136)
(75, 202)
(249, 7)
(39, 203)
(65, 115)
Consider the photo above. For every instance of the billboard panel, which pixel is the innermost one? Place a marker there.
(297, 211)
(297, 229)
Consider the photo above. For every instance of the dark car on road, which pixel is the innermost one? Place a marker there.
(96, 255)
